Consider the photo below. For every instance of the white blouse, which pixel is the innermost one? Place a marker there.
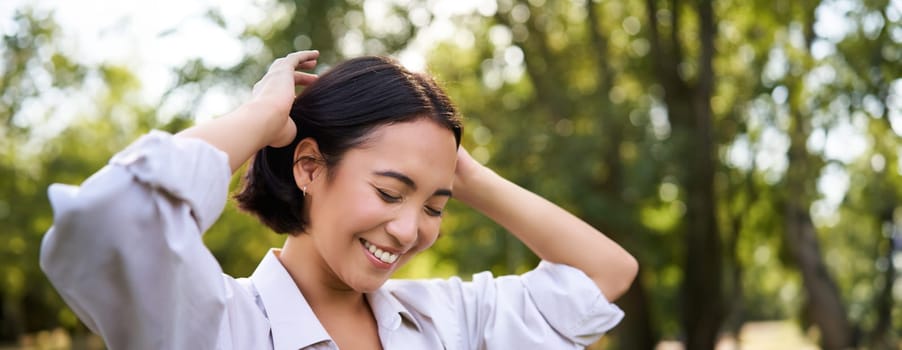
(125, 252)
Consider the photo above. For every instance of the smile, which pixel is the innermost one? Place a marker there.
(380, 254)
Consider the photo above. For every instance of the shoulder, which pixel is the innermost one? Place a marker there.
(422, 293)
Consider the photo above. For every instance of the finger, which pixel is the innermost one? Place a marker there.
(299, 57)
(295, 60)
(307, 64)
(301, 78)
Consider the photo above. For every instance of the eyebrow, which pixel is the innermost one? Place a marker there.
(409, 182)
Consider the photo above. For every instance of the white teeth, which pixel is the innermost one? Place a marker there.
(380, 254)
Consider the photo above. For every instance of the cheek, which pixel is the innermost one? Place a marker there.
(364, 209)
(344, 208)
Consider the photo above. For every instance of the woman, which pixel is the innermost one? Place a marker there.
(356, 170)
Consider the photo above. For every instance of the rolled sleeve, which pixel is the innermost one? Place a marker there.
(125, 250)
(551, 307)
(571, 303)
(185, 168)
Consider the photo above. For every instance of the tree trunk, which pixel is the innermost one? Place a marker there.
(881, 337)
(734, 313)
(691, 118)
(825, 309)
(825, 305)
(637, 331)
(705, 310)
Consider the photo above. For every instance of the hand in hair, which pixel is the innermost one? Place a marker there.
(264, 120)
(277, 89)
(548, 230)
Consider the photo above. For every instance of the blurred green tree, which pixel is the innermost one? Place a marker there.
(29, 65)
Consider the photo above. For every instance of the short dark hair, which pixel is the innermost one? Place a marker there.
(339, 111)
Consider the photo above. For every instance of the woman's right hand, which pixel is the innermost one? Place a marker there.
(276, 92)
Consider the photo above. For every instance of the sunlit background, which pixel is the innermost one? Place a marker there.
(748, 153)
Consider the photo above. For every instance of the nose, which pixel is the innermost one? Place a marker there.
(404, 228)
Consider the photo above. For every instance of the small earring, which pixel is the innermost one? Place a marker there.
(304, 190)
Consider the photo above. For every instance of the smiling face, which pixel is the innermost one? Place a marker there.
(381, 204)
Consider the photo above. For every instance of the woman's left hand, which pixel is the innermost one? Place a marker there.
(549, 231)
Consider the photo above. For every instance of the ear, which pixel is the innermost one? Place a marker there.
(308, 162)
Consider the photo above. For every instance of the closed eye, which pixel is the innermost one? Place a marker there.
(388, 198)
(432, 211)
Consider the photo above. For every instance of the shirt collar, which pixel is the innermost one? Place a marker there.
(389, 311)
(292, 321)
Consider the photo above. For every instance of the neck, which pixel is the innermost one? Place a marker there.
(324, 291)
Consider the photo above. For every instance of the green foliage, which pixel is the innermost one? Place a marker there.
(566, 99)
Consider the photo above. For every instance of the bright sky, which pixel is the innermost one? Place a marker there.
(152, 37)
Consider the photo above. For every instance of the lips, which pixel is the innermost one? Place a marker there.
(383, 256)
